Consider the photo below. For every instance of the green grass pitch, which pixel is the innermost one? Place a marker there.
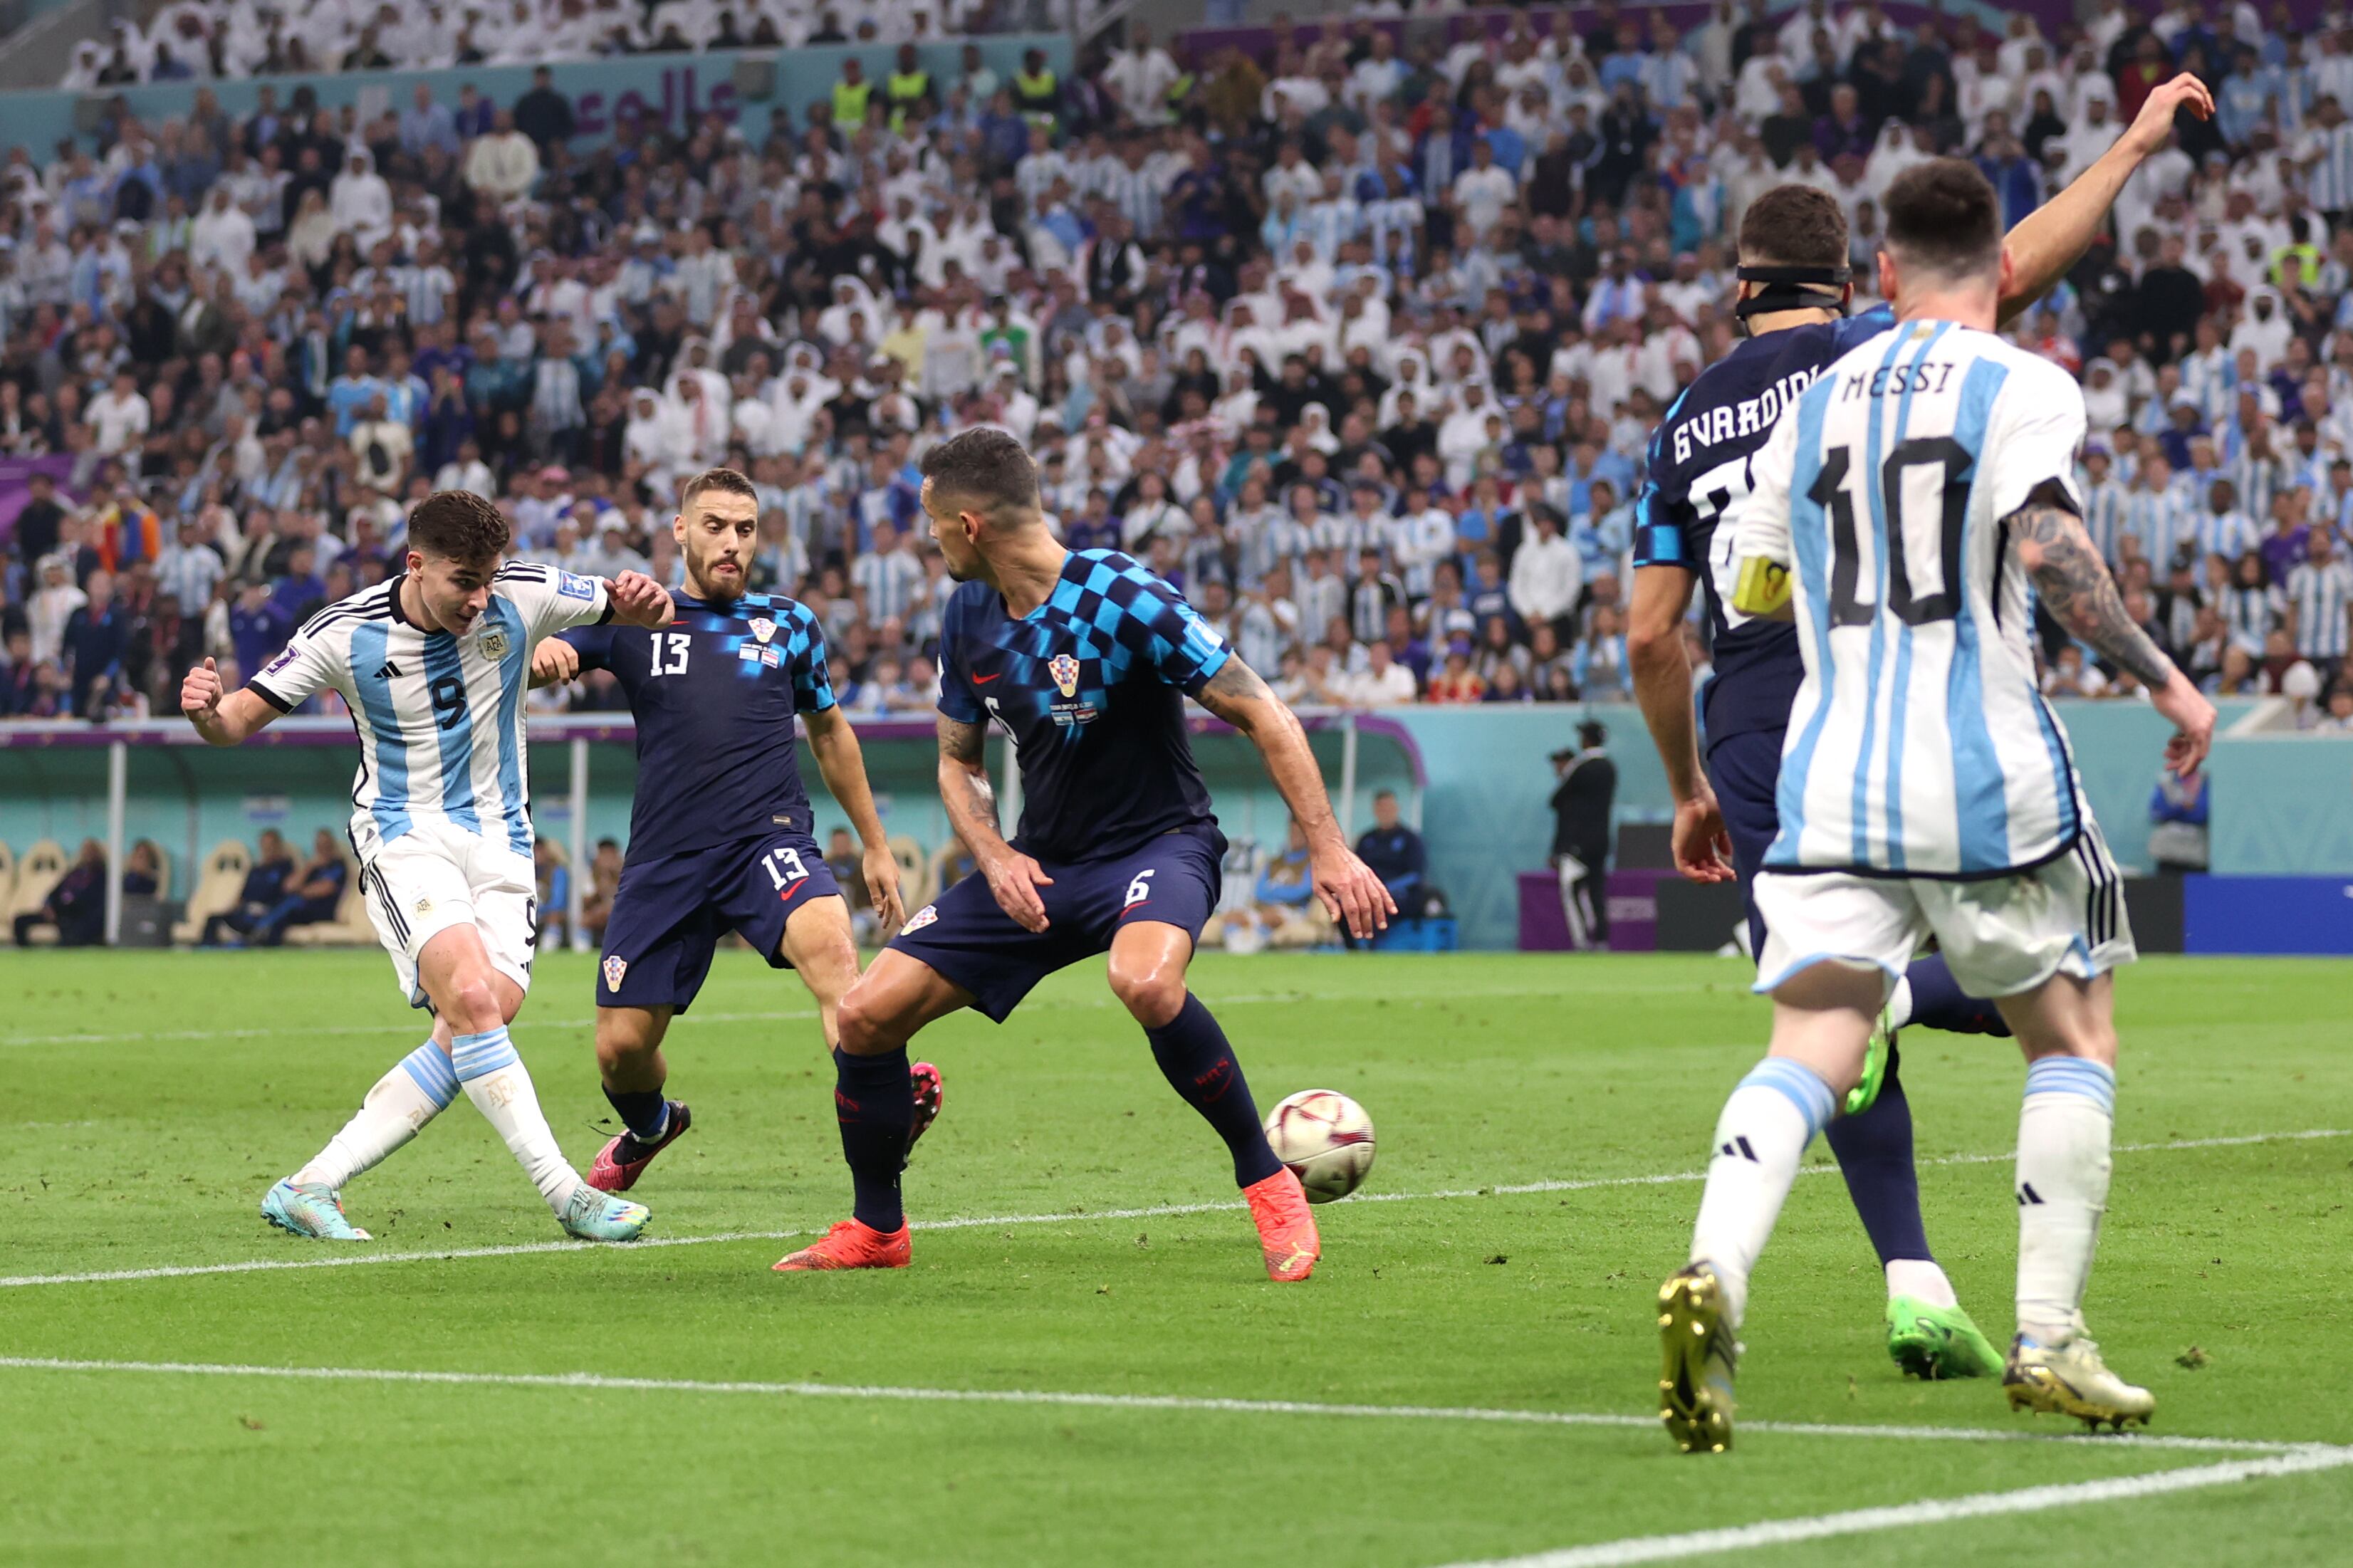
(152, 1098)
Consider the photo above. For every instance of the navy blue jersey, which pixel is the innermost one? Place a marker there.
(1698, 470)
(1091, 688)
(714, 693)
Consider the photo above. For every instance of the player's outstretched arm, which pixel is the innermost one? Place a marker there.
(1350, 891)
(223, 718)
(1014, 878)
(843, 763)
(2053, 238)
(1663, 685)
(2060, 558)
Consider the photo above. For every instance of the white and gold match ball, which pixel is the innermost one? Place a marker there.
(1325, 1139)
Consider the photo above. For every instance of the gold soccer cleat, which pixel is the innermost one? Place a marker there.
(1697, 1356)
(2071, 1380)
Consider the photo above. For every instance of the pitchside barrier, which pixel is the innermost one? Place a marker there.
(1476, 780)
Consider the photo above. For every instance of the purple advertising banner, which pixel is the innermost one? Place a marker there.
(15, 477)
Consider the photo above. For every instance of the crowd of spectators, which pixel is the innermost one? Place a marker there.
(1360, 342)
(193, 40)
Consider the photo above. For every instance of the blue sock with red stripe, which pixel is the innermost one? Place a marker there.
(876, 1106)
(1199, 1065)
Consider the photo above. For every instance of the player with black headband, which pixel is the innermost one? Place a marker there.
(1795, 289)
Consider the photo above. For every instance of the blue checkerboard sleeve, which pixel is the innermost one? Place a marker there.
(1659, 512)
(1157, 624)
(958, 700)
(812, 682)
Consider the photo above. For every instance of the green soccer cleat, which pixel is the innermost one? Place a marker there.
(1937, 1343)
(311, 1209)
(1865, 1091)
(593, 1216)
(1697, 1357)
(2071, 1380)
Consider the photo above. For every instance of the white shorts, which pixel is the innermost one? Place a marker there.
(2002, 936)
(435, 877)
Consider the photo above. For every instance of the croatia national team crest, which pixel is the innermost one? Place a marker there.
(1065, 671)
(495, 642)
(615, 967)
(920, 919)
(764, 629)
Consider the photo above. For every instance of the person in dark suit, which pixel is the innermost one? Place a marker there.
(1582, 805)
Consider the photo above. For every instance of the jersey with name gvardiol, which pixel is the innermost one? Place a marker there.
(714, 693)
(1090, 689)
(439, 718)
(1698, 475)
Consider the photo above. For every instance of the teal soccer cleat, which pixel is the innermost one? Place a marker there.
(311, 1209)
(593, 1216)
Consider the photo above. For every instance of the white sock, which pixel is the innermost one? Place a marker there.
(1922, 1277)
(403, 1100)
(500, 1085)
(2063, 1130)
(1899, 1003)
(1760, 1136)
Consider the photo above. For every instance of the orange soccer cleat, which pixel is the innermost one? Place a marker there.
(849, 1245)
(1286, 1228)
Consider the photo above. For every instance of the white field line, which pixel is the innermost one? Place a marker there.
(1931, 1510)
(346, 1259)
(530, 1022)
(1132, 1402)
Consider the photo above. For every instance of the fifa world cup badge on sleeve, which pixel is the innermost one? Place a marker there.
(615, 968)
(574, 587)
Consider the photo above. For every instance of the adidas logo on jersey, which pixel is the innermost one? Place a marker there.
(390, 671)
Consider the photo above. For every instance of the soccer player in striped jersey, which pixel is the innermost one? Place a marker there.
(434, 664)
(1902, 507)
(1793, 253)
(720, 834)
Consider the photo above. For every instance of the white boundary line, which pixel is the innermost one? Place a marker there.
(2122, 1443)
(1931, 1510)
(1157, 1211)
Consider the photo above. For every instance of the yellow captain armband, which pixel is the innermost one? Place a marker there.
(1763, 589)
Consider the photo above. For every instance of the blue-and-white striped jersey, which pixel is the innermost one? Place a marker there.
(439, 718)
(1919, 745)
(2319, 594)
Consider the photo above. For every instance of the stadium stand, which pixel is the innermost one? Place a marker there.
(1356, 330)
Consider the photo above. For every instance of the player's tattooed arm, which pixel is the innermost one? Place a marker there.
(1348, 888)
(1014, 878)
(2078, 590)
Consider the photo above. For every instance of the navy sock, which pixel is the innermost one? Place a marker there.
(1874, 1155)
(1199, 1065)
(643, 1111)
(876, 1108)
(1939, 1003)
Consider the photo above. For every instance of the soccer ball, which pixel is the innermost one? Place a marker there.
(1326, 1140)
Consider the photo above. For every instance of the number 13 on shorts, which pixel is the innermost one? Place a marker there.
(785, 867)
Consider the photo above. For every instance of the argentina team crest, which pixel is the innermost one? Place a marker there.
(764, 629)
(615, 968)
(495, 642)
(1065, 671)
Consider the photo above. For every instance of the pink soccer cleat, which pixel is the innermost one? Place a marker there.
(611, 1174)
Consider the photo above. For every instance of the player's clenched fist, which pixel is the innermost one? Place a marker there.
(553, 662)
(200, 693)
(639, 600)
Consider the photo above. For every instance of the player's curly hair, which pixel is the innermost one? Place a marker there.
(457, 525)
(984, 468)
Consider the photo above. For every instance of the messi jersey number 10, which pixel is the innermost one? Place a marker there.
(1946, 514)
